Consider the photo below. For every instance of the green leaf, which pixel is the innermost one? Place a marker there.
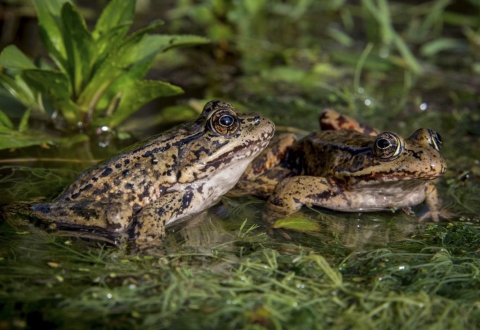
(23, 125)
(435, 46)
(79, 47)
(5, 121)
(300, 224)
(171, 115)
(108, 41)
(19, 89)
(14, 139)
(165, 42)
(13, 58)
(136, 72)
(117, 12)
(140, 93)
(48, 12)
(55, 86)
(116, 64)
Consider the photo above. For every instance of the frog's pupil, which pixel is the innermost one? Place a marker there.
(226, 120)
(383, 143)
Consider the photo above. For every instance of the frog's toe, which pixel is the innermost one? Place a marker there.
(272, 212)
(436, 215)
(148, 249)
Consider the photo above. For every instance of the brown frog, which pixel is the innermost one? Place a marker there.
(348, 167)
(165, 178)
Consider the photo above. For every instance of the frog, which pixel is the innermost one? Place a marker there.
(347, 166)
(170, 176)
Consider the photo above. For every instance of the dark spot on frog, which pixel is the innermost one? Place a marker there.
(255, 119)
(136, 207)
(198, 153)
(98, 192)
(154, 160)
(187, 199)
(94, 179)
(83, 211)
(156, 150)
(129, 186)
(125, 173)
(126, 161)
(107, 172)
(117, 182)
(85, 188)
(189, 139)
(45, 209)
(145, 192)
(114, 227)
(137, 165)
(118, 165)
(417, 154)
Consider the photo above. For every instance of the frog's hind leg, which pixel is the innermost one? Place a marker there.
(292, 193)
(332, 120)
(111, 216)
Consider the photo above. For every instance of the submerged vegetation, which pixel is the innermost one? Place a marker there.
(396, 65)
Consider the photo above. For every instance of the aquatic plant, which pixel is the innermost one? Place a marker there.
(95, 80)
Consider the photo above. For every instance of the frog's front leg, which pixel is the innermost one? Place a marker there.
(292, 193)
(434, 204)
(262, 174)
(112, 216)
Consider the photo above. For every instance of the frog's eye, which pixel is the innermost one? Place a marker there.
(427, 138)
(436, 139)
(387, 145)
(224, 122)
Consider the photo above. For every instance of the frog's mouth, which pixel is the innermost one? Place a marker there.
(386, 177)
(246, 150)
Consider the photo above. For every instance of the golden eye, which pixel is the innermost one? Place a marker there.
(387, 146)
(224, 122)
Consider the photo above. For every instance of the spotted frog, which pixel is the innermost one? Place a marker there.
(348, 167)
(165, 178)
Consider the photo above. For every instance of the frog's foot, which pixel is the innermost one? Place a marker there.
(408, 210)
(148, 249)
(17, 214)
(292, 193)
(436, 215)
(112, 216)
(332, 120)
(435, 210)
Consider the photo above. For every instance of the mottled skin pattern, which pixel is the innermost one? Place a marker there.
(167, 177)
(352, 168)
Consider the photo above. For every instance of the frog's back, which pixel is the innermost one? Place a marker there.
(138, 174)
(322, 152)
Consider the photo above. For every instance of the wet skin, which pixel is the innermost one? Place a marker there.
(348, 167)
(163, 179)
